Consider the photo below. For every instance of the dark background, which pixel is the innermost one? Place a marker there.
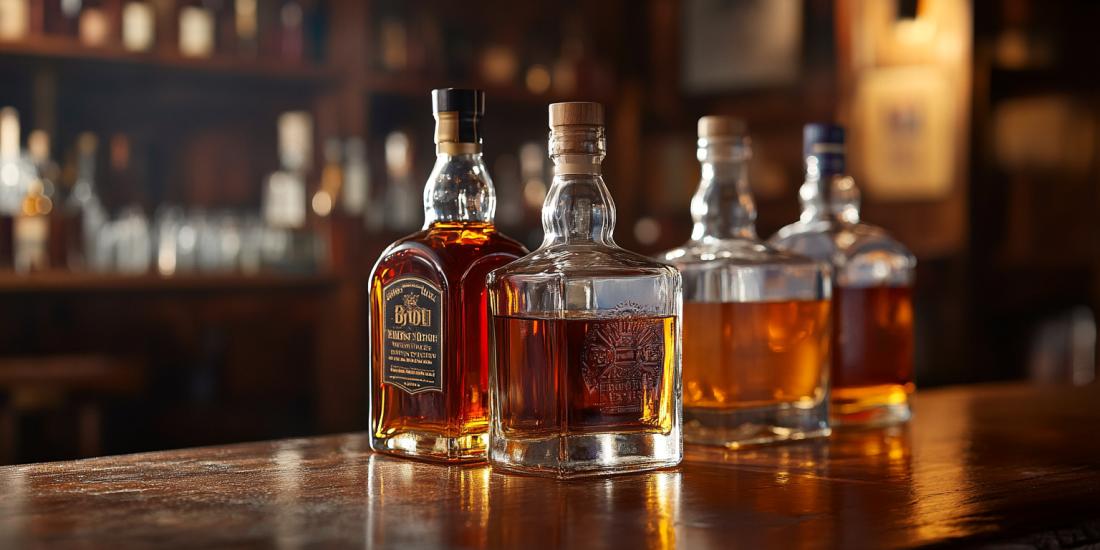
(104, 362)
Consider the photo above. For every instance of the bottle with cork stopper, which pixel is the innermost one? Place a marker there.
(756, 320)
(585, 377)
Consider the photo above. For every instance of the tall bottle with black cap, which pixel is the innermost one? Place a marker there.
(586, 375)
(872, 356)
(429, 324)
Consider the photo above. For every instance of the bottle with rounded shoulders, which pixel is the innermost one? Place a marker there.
(429, 335)
(872, 365)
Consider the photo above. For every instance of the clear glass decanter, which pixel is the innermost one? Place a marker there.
(872, 366)
(585, 379)
(756, 320)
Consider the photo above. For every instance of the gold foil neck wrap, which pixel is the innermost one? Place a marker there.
(446, 135)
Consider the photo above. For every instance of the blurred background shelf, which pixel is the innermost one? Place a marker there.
(70, 53)
(75, 282)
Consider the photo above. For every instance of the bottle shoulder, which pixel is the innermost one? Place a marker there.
(830, 239)
(587, 261)
(448, 251)
(707, 252)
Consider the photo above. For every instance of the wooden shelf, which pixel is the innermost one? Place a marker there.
(69, 50)
(72, 282)
(419, 86)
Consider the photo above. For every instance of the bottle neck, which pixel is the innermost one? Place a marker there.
(828, 194)
(722, 207)
(459, 189)
(578, 208)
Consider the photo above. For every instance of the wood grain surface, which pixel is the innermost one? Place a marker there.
(1012, 465)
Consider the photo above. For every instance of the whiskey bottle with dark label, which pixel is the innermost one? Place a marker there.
(586, 371)
(429, 323)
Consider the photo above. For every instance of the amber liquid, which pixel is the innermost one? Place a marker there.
(740, 355)
(573, 376)
(873, 350)
(456, 257)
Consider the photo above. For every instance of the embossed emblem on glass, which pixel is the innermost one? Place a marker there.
(622, 362)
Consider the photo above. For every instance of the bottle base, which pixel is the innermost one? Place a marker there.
(584, 455)
(734, 429)
(871, 405)
(432, 447)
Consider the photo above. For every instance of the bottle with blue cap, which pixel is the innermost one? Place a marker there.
(872, 356)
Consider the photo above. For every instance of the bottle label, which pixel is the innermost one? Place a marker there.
(412, 335)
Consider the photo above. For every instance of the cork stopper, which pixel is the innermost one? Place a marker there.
(576, 113)
(715, 126)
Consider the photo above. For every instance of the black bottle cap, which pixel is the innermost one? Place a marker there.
(460, 100)
(464, 107)
(825, 142)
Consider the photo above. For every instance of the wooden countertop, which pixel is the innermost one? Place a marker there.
(1006, 464)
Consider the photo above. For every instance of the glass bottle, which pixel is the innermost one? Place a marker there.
(872, 363)
(756, 320)
(586, 373)
(429, 324)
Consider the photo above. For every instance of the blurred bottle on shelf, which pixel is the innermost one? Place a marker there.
(138, 26)
(16, 175)
(355, 193)
(872, 362)
(15, 19)
(247, 25)
(95, 23)
(402, 204)
(332, 179)
(85, 215)
(288, 245)
(393, 44)
(49, 174)
(196, 29)
(291, 31)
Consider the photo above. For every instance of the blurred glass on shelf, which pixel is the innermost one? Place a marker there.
(246, 24)
(14, 19)
(138, 26)
(355, 193)
(402, 200)
(196, 29)
(291, 34)
(16, 176)
(95, 25)
(332, 179)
